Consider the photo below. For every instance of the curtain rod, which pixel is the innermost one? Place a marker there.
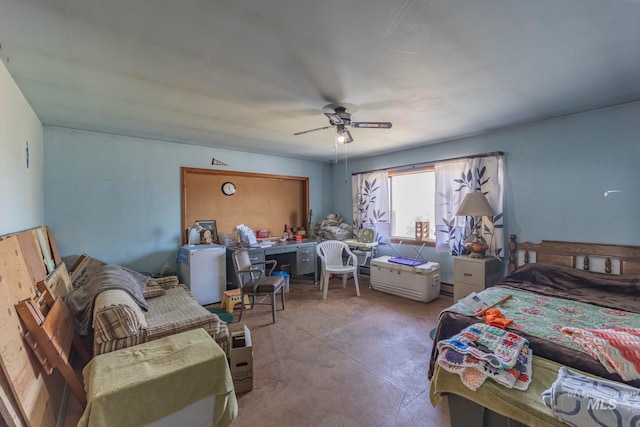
(415, 165)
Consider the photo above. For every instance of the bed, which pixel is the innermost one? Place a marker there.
(550, 284)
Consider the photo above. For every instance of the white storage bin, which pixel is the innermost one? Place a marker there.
(421, 283)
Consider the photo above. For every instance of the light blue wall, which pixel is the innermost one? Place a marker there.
(118, 199)
(20, 188)
(557, 172)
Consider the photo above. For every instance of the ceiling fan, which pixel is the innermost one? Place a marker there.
(340, 119)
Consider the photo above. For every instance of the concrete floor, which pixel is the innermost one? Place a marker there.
(343, 361)
(340, 362)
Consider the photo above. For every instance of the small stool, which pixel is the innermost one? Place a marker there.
(231, 298)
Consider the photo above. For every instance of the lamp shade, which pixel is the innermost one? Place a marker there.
(475, 204)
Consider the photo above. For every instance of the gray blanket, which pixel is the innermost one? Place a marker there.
(80, 300)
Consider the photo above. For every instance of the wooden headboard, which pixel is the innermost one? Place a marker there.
(613, 259)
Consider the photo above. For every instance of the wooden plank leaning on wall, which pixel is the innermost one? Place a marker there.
(27, 395)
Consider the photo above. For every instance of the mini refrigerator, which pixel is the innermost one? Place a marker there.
(203, 269)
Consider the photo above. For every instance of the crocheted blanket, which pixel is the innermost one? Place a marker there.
(481, 351)
(618, 349)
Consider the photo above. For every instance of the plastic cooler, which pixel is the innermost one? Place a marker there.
(420, 283)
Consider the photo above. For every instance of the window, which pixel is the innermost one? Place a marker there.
(412, 199)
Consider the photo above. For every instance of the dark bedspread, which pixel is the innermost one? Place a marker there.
(605, 290)
(616, 292)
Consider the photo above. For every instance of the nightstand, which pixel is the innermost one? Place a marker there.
(474, 275)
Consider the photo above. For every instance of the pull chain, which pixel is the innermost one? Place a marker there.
(346, 170)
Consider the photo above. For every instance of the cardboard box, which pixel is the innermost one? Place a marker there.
(241, 360)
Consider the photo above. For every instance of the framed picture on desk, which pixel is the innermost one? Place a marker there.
(209, 232)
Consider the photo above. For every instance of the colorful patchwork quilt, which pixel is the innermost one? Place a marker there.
(544, 316)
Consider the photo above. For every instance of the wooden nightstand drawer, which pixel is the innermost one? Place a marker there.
(474, 274)
(469, 272)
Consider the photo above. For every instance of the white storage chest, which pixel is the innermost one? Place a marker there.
(421, 283)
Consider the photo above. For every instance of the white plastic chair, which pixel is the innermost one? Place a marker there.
(330, 253)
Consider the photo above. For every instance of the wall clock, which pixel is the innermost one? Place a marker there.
(228, 188)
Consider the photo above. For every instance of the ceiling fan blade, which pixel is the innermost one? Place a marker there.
(313, 130)
(378, 125)
(334, 119)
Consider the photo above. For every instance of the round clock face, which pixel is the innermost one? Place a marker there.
(229, 188)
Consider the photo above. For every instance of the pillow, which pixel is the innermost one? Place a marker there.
(166, 282)
(116, 315)
(153, 290)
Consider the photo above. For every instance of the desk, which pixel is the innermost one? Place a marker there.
(301, 256)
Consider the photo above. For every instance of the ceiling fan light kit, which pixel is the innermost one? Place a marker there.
(344, 137)
(340, 118)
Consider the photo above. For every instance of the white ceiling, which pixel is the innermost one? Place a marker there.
(248, 74)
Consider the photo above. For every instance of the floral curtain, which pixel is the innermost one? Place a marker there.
(371, 202)
(456, 178)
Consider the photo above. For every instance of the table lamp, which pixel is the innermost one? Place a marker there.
(476, 205)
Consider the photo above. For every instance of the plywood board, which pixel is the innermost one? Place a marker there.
(20, 367)
(15, 274)
(32, 254)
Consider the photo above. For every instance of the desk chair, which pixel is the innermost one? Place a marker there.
(330, 253)
(254, 282)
